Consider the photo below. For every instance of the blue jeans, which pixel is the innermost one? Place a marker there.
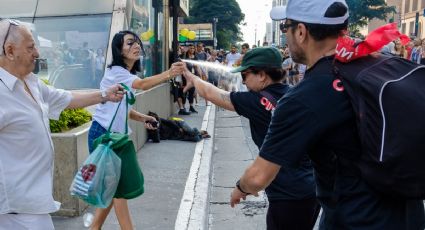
(96, 130)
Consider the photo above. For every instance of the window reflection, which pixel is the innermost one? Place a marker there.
(72, 49)
(146, 20)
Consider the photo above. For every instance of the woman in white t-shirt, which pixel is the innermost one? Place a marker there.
(126, 51)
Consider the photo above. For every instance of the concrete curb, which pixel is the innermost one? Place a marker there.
(194, 205)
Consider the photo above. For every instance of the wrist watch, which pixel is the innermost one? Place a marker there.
(103, 95)
(238, 185)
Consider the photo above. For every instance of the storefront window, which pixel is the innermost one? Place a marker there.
(145, 22)
(73, 49)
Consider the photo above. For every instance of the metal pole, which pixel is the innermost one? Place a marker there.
(215, 20)
(175, 5)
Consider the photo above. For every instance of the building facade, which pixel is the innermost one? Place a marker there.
(409, 17)
(74, 39)
(278, 38)
(413, 18)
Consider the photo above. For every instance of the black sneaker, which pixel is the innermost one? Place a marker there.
(191, 109)
(183, 112)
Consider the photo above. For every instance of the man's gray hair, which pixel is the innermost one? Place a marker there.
(12, 36)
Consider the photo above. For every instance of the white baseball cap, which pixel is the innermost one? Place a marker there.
(308, 11)
(278, 13)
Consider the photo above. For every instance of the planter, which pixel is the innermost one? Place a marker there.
(70, 152)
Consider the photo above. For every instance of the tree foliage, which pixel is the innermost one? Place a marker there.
(229, 16)
(362, 11)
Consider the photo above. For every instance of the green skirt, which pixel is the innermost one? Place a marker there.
(131, 181)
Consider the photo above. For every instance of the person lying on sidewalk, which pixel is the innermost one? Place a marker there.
(291, 195)
(173, 128)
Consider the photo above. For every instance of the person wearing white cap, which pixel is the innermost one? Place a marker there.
(26, 147)
(317, 118)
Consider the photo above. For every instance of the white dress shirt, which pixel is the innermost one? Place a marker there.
(232, 58)
(105, 112)
(26, 147)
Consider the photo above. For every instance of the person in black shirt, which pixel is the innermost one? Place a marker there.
(291, 195)
(316, 117)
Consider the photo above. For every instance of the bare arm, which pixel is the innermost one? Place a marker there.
(149, 82)
(259, 175)
(137, 116)
(209, 92)
(256, 178)
(84, 99)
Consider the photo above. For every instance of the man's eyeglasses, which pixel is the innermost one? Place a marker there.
(285, 26)
(11, 23)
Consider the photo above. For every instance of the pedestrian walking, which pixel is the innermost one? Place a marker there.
(26, 147)
(291, 194)
(316, 117)
(126, 51)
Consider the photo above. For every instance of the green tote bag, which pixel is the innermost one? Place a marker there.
(131, 181)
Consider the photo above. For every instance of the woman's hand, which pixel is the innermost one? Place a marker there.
(151, 123)
(177, 69)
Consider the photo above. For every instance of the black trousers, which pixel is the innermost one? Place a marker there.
(190, 95)
(292, 214)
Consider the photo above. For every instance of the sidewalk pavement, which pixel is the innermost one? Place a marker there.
(234, 151)
(188, 185)
(165, 166)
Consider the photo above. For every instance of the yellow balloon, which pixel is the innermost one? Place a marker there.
(191, 35)
(184, 32)
(144, 36)
(150, 33)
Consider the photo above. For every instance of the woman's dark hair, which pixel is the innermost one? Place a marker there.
(319, 31)
(117, 57)
(189, 52)
(276, 74)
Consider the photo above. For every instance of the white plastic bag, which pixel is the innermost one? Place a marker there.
(97, 180)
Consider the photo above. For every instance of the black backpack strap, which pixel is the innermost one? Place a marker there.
(269, 97)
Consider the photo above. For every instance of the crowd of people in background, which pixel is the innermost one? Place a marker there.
(413, 51)
(230, 59)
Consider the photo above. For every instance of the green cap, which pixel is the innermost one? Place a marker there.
(260, 57)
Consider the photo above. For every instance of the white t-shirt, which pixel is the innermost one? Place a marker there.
(232, 58)
(100, 62)
(287, 63)
(105, 112)
(26, 147)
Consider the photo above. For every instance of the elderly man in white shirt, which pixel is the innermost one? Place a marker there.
(26, 148)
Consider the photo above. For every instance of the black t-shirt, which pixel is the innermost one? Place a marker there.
(290, 183)
(314, 118)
